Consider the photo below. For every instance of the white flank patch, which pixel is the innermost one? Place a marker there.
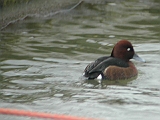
(99, 77)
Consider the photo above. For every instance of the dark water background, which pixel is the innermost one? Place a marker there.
(42, 60)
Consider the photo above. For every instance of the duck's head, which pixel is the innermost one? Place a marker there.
(125, 51)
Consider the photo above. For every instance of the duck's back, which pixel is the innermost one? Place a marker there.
(94, 69)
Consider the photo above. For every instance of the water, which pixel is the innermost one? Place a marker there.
(42, 60)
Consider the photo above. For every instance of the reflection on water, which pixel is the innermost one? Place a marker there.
(42, 60)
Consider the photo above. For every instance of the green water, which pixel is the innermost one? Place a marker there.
(42, 60)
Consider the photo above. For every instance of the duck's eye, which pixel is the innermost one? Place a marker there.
(128, 49)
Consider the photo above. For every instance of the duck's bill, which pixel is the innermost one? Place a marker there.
(136, 57)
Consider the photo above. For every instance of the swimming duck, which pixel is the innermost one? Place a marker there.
(116, 66)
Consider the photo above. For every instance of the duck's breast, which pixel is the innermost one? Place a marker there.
(118, 73)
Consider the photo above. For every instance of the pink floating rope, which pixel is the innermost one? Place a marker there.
(16, 112)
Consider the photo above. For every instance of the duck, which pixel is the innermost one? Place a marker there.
(117, 66)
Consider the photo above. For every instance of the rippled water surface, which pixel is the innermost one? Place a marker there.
(42, 60)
